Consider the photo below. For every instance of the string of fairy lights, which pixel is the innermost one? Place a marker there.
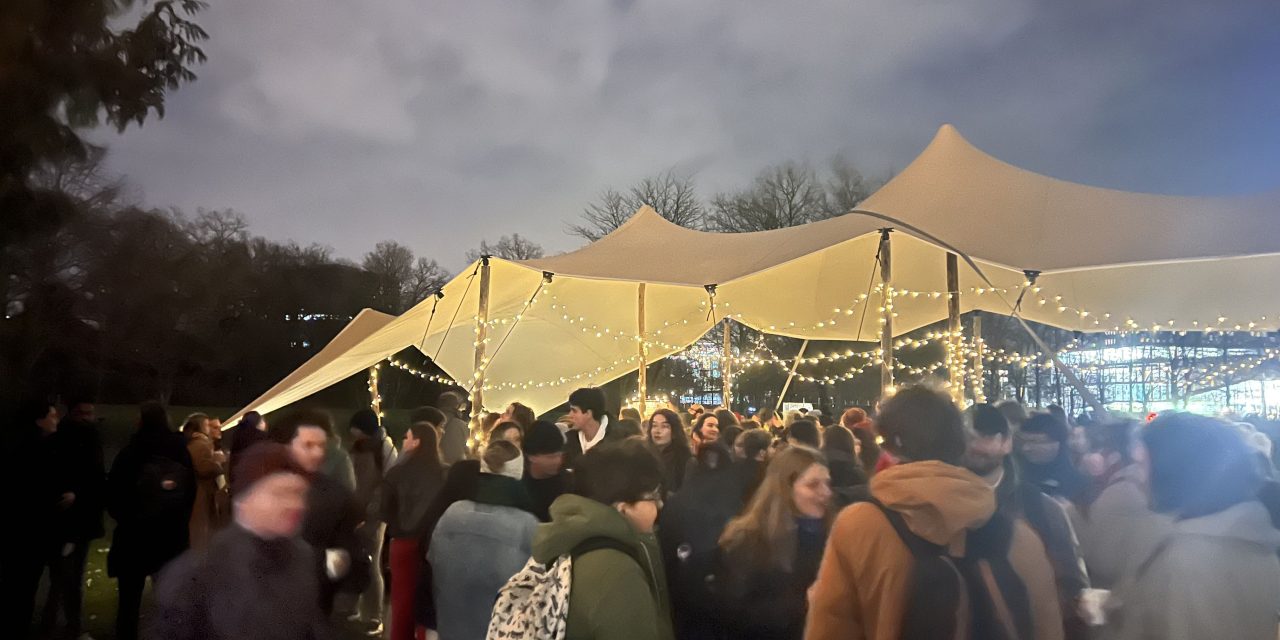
(963, 357)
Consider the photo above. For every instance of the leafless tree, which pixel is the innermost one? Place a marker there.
(671, 194)
(782, 196)
(426, 278)
(512, 247)
(391, 264)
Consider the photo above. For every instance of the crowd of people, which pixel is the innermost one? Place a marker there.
(913, 519)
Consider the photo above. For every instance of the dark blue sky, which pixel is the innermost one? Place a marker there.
(440, 123)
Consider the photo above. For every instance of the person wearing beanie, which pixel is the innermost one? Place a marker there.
(258, 567)
(544, 475)
(332, 515)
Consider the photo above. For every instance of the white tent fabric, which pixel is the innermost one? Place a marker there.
(346, 354)
(1108, 260)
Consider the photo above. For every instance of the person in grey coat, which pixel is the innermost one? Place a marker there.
(1215, 574)
(479, 544)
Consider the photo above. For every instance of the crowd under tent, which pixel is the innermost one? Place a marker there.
(956, 231)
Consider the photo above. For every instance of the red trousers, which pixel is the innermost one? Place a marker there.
(406, 564)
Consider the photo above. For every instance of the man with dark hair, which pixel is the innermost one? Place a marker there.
(867, 584)
(544, 474)
(988, 455)
(31, 510)
(590, 420)
(332, 512)
(453, 444)
(77, 447)
(804, 432)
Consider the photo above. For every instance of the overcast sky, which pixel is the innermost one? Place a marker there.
(441, 122)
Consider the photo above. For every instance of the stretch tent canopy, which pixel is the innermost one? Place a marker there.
(1104, 260)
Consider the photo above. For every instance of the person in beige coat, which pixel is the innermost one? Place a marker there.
(208, 463)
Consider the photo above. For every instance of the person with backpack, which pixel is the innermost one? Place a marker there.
(1215, 572)
(769, 555)
(150, 493)
(480, 543)
(255, 579)
(596, 572)
(988, 456)
(340, 561)
(911, 562)
(689, 529)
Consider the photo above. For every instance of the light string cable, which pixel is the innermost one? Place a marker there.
(866, 302)
(546, 278)
(470, 280)
(1072, 379)
(439, 295)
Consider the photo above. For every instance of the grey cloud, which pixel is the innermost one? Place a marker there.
(441, 123)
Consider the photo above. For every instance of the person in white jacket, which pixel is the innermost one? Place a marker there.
(1214, 573)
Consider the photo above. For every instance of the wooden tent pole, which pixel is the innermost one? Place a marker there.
(979, 351)
(642, 349)
(955, 365)
(482, 334)
(886, 314)
(726, 367)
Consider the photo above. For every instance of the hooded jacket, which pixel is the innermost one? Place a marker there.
(864, 581)
(1216, 576)
(1121, 530)
(613, 597)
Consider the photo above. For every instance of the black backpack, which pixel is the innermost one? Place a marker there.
(997, 601)
(164, 488)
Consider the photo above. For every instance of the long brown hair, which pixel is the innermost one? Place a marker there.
(679, 440)
(765, 533)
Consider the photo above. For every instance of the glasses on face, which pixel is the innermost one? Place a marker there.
(654, 496)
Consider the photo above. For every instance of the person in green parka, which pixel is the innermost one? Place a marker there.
(615, 595)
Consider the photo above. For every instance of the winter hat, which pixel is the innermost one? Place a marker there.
(258, 462)
(366, 422)
(543, 437)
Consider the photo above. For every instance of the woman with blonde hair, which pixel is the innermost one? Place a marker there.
(770, 554)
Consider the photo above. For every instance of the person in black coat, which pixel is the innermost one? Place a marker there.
(544, 475)
(255, 579)
(32, 508)
(340, 561)
(150, 493)
(689, 526)
(78, 448)
(668, 440)
(769, 555)
(590, 424)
